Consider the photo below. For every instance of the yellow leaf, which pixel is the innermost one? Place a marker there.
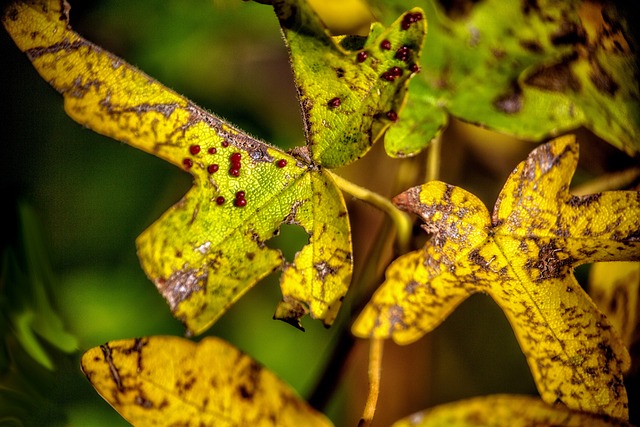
(504, 411)
(523, 257)
(207, 250)
(170, 381)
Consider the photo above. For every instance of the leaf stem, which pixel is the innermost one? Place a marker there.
(433, 159)
(400, 219)
(612, 181)
(375, 370)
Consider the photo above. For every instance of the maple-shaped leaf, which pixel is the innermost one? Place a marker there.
(523, 257)
(165, 380)
(505, 410)
(209, 249)
(352, 88)
(531, 70)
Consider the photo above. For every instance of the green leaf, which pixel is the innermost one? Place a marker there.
(523, 257)
(351, 89)
(528, 70)
(504, 411)
(26, 282)
(173, 381)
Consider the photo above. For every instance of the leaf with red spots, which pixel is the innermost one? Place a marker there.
(523, 257)
(505, 411)
(351, 89)
(528, 69)
(173, 381)
(208, 249)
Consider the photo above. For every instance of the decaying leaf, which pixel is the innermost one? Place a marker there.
(528, 69)
(505, 411)
(173, 381)
(523, 257)
(615, 288)
(351, 89)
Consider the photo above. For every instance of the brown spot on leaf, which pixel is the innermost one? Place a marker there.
(181, 284)
(568, 33)
(557, 77)
(602, 80)
(509, 103)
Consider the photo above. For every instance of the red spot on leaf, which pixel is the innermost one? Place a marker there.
(212, 168)
(281, 163)
(334, 102)
(235, 157)
(392, 115)
(225, 144)
(212, 150)
(385, 44)
(187, 163)
(220, 200)
(362, 56)
(194, 149)
(234, 172)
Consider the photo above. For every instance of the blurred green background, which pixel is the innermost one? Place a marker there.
(90, 197)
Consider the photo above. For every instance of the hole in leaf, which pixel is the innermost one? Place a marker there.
(290, 240)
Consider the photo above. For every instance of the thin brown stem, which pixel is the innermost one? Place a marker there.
(375, 370)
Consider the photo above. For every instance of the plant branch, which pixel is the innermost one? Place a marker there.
(611, 181)
(375, 369)
(400, 219)
(433, 159)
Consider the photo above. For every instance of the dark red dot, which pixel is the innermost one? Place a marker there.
(362, 56)
(388, 76)
(212, 168)
(396, 71)
(240, 194)
(409, 19)
(403, 53)
(187, 163)
(334, 102)
(240, 203)
(225, 143)
(281, 163)
(392, 115)
(385, 44)
(220, 200)
(235, 165)
(194, 149)
(235, 157)
(212, 150)
(234, 172)
(414, 68)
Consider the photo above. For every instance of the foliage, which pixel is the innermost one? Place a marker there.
(532, 70)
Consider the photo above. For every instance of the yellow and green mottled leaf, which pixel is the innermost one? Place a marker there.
(531, 70)
(173, 381)
(615, 288)
(209, 248)
(505, 411)
(523, 257)
(351, 89)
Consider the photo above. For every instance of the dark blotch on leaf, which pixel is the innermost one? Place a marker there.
(510, 103)
(557, 77)
(602, 80)
(392, 115)
(187, 163)
(568, 33)
(385, 45)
